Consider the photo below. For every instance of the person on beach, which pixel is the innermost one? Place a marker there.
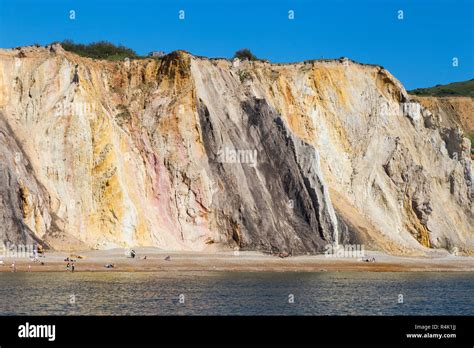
(13, 267)
(40, 251)
(72, 267)
(67, 266)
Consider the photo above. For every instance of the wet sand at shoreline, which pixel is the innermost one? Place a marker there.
(94, 261)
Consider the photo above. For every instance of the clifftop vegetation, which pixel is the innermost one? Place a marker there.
(455, 89)
(245, 53)
(100, 50)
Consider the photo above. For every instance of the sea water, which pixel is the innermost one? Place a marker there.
(236, 293)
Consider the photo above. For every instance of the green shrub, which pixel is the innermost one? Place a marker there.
(471, 138)
(100, 50)
(244, 76)
(245, 53)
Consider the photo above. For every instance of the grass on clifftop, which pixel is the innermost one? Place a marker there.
(455, 89)
(100, 50)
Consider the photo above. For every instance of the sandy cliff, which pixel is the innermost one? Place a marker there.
(187, 153)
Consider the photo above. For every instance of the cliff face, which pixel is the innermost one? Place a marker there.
(453, 111)
(187, 153)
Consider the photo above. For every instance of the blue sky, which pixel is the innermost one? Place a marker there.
(418, 50)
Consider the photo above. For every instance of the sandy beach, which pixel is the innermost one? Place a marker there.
(243, 261)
